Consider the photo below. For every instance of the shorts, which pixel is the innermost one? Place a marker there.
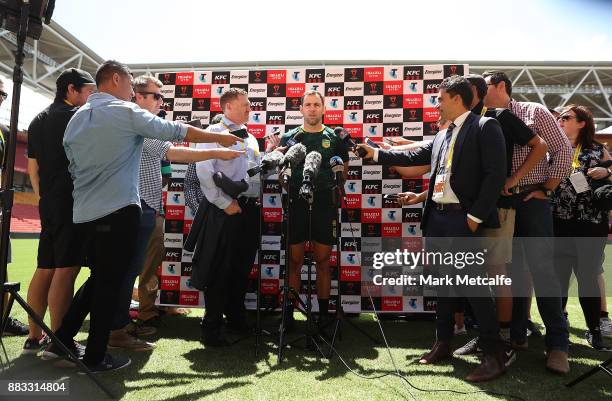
(324, 217)
(61, 244)
(498, 241)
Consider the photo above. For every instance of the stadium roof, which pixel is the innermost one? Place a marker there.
(553, 83)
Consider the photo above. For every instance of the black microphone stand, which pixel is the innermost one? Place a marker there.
(340, 315)
(307, 307)
(6, 200)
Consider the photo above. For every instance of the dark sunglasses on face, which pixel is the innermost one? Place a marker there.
(565, 117)
(156, 96)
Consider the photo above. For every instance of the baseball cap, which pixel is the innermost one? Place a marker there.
(74, 76)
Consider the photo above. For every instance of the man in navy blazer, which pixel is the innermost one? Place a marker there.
(468, 164)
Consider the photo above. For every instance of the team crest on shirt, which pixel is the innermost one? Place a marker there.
(325, 143)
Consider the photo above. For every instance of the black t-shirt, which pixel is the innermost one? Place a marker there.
(515, 133)
(45, 137)
(4, 145)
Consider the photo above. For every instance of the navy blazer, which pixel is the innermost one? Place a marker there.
(478, 168)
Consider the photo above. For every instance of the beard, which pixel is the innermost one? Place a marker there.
(313, 120)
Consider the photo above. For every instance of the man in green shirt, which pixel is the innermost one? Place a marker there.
(316, 137)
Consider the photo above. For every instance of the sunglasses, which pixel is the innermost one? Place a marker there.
(3, 95)
(565, 118)
(156, 96)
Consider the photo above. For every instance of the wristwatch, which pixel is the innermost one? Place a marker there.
(609, 171)
(548, 192)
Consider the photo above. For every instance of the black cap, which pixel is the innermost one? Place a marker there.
(74, 76)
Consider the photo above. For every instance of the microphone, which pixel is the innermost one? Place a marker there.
(311, 170)
(162, 113)
(297, 138)
(268, 162)
(293, 157)
(346, 137)
(337, 167)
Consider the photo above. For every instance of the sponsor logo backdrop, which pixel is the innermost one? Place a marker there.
(373, 101)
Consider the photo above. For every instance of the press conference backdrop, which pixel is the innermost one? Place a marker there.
(373, 101)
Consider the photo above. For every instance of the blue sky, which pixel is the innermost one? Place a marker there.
(163, 31)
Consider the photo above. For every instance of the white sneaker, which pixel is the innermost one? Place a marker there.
(606, 327)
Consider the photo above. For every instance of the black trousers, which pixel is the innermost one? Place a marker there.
(447, 231)
(579, 247)
(233, 260)
(110, 245)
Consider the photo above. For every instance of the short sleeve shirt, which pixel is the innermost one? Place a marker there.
(328, 144)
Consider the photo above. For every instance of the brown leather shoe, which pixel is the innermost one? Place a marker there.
(491, 367)
(557, 362)
(441, 350)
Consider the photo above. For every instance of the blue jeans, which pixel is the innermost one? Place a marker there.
(533, 251)
(124, 293)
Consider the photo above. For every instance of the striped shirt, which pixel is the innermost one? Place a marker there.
(558, 164)
(150, 177)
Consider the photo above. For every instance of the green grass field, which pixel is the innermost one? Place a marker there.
(181, 369)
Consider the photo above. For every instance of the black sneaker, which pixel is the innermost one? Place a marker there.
(53, 351)
(15, 328)
(471, 348)
(109, 363)
(533, 329)
(32, 346)
(595, 340)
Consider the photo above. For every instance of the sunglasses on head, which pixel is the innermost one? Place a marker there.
(565, 117)
(156, 96)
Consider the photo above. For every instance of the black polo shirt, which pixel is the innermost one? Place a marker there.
(515, 133)
(45, 144)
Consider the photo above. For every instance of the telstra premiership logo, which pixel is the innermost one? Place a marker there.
(176, 198)
(372, 130)
(433, 100)
(413, 86)
(219, 90)
(296, 75)
(203, 78)
(391, 214)
(273, 200)
(412, 229)
(269, 271)
(372, 201)
(315, 87)
(351, 258)
(351, 187)
(353, 116)
(256, 118)
(334, 103)
(393, 73)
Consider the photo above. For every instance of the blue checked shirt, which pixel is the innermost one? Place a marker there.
(150, 177)
(103, 143)
(193, 192)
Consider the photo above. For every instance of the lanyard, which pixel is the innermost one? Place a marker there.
(244, 144)
(576, 162)
(449, 159)
(484, 110)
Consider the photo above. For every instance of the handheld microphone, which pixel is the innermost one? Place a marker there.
(162, 113)
(337, 167)
(268, 162)
(297, 138)
(346, 137)
(312, 163)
